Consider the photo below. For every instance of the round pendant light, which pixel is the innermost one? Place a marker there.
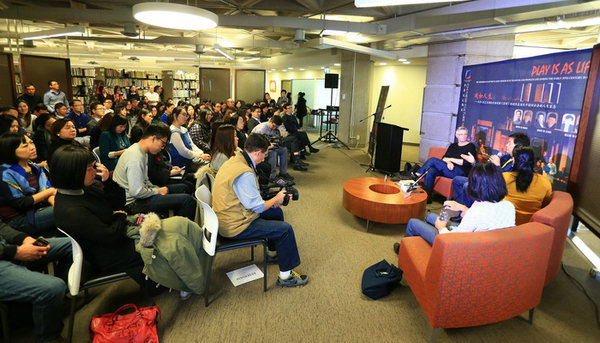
(174, 16)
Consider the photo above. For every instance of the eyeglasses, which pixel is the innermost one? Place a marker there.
(164, 143)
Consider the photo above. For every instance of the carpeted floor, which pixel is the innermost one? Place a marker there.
(335, 248)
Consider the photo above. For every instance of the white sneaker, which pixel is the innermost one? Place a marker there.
(183, 295)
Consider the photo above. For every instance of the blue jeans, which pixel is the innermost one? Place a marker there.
(425, 229)
(45, 292)
(438, 168)
(177, 200)
(281, 154)
(43, 220)
(459, 187)
(280, 235)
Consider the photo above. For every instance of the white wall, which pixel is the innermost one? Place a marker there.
(405, 95)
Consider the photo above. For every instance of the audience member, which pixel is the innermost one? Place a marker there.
(144, 120)
(30, 96)
(54, 96)
(60, 110)
(113, 142)
(184, 153)
(108, 104)
(301, 110)
(26, 120)
(244, 214)
(63, 133)
(21, 261)
(254, 119)
(239, 122)
(224, 146)
(42, 138)
(200, 130)
(282, 98)
(294, 129)
(25, 192)
(168, 111)
(527, 191)
(98, 112)
(153, 96)
(80, 118)
(133, 94)
(96, 131)
(8, 123)
(277, 153)
(118, 95)
(131, 173)
(268, 101)
(453, 163)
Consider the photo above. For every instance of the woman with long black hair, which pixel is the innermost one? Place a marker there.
(527, 190)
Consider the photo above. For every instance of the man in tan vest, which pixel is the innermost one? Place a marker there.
(244, 214)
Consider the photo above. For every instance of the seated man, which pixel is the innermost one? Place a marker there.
(45, 292)
(277, 151)
(131, 173)
(506, 162)
(293, 128)
(244, 214)
(452, 164)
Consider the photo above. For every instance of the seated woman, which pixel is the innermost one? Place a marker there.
(239, 122)
(25, 192)
(528, 191)
(25, 118)
(94, 216)
(200, 130)
(453, 163)
(184, 153)
(488, 212)
(144, 120)
(224, 146)
(63, 133)
(114, 142)
(96, 131)
(42, 138)
(8, 124)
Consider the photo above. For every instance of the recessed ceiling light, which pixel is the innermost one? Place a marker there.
(302, 69)
(382, 64)
(322, 67)
(402, 59)
(175, 16)
(337, 64)
(406, 62)
(290, 68)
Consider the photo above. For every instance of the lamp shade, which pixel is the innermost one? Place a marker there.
(174, 16)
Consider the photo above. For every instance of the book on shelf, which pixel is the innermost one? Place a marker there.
(83, 72)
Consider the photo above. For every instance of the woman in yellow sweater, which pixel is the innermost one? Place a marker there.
(527, 190)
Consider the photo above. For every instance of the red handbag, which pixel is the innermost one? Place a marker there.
(138, 326)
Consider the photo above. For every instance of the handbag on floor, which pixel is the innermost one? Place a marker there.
(138, 326)
(379, 279)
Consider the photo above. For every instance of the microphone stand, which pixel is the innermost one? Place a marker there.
(370, 115)
(416, 184)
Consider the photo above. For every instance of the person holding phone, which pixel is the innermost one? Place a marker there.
(20, 258)
(25, 192)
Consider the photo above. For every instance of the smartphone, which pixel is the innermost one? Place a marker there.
(41, 242)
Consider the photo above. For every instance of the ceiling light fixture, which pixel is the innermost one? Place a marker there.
(175, 16)
(337, 64)
(328, 32)
(402, 60)
(61, 32)
(159, 55)
(406, 62)
(220, 50)
(382, 3)
(250, 59)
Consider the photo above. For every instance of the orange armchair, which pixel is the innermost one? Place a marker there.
(442, 185)
(477, 278)
(558, 215)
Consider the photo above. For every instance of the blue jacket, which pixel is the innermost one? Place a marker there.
(110, 142)
(14, 184)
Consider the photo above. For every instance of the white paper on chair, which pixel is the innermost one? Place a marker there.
(245, 274)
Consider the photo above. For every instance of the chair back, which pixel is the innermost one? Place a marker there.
(437, 152)
(211, 180)
(210, 229)
(203, 194)
(558, 215)
(96, 152)
(477, 278)
(74, 278)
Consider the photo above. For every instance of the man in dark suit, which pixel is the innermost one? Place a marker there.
(293, 128)
(254, 120)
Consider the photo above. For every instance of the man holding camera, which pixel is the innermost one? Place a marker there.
(243, 214)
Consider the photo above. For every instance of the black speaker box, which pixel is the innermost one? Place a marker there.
(331, 80)
(388, 151)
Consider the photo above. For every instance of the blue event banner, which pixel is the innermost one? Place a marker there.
(541, 96)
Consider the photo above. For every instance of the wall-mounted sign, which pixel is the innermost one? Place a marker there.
(272, 86)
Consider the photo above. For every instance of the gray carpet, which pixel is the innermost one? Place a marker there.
(335, 248)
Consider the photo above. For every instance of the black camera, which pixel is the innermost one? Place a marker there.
(290, 190)
(275, 140)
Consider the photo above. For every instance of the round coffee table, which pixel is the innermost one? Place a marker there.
(373, 199)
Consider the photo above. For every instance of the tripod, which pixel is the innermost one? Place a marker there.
(371, 166)
(330, 136)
